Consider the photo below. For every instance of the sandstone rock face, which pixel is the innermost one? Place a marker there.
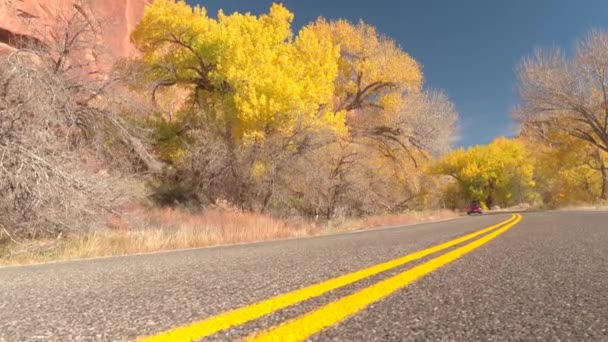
(28, 18)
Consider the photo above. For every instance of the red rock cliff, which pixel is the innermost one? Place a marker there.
(117, 18)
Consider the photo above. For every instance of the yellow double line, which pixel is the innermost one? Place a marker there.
(310, 323)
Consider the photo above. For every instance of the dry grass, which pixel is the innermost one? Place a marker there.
(153, 230)
(389, 220)
(600, 206)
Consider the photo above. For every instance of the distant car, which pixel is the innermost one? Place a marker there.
(474, 208)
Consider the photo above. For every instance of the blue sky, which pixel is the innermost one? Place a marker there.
(468, 48)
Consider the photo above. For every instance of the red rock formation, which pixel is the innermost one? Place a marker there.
(28, 18)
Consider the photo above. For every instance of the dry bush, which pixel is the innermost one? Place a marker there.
(354, 177)
(320, 181)
(58, 125)
(254, 176)
(44, 140)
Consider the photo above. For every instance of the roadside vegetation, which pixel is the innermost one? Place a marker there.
(234, 128)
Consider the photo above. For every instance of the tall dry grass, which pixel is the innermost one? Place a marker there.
(159, 229)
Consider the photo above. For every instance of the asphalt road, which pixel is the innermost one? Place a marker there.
(543, 278)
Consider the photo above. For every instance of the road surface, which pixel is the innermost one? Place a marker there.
(541, 276)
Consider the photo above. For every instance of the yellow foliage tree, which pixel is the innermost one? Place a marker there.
(498, 173)
(374, 73)
(566, 168)
(376, 82)
(276, 98)
(247, 73)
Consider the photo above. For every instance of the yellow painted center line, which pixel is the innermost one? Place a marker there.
(313, 322)
(245, 314)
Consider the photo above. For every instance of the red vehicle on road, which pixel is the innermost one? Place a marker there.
(474, 208)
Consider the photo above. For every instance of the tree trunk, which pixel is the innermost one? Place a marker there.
(604, 172)
(266, 200)
(490, 198)
(489, 201)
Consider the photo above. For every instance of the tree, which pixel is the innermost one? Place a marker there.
(247, 83)
(246, 75)
(315, 121)
(491, 173)
(429, 121)
(380, 86)
(566, 168)
(394, 128)
(570, 95)
(374, 73)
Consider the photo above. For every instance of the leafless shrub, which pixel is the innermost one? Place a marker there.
(43, 190)
(346, 177)
(207, 173)
(58, 115)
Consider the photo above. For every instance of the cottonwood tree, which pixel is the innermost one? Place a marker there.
(394, 126)
(567, 169)
(380, 86)
(244, 73)
(568, 94)
(246, 80)
(375, 76)
(373, 71)
(336, 107)
(491, 173)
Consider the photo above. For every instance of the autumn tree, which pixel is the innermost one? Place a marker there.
(247, 75)
(316, 120)
(567, 169)
(373, 71)
(394, 125)
(245, 78)
(498, 173)
(374, 77)
(378, 81)
(569, 94)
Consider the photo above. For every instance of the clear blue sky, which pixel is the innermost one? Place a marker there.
(468, 48)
